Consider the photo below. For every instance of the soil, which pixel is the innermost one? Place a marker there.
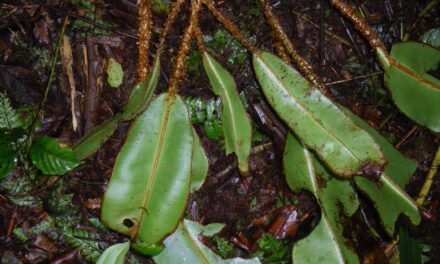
(29, 32)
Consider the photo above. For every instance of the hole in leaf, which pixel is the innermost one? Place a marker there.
(128, 223)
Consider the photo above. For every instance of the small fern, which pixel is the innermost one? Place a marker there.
(85, 242)
(8, 116)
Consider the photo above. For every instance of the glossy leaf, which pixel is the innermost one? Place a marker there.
(431, 37)
(114, 254)
(236, 123)
(326, 243)
(414, 91)
(91, 142)
(199, 164)
(391, 183)
(184, 246)
(8, 160)
(142, 94)
(344, 147)
(149, 187)
(52, 159)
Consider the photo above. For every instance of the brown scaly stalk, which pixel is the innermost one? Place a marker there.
(198, 35)
(229, 26)
(304, 67)
(175, 8)
(360, 24)
(281, 51)
(144, 36)
(179, 63)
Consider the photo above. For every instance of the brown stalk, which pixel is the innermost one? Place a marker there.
(229, 26)
(170, 19)
(198, 35)
(282, 37)
(144, 36)
(179, 63)
(359, 23)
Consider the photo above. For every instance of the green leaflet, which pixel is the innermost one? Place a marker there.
(236, 123)
(8, 160)
(199, 163)
(184, 246)
(431, 37)
(90, 143)
(52, 159)
(147, 193)
(114, 254)
(115, 73)
(142, 94)
(326, 243)
(391, 183)
(344, 147)
(415, 92)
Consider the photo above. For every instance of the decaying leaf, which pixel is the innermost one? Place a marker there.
(147, 193)
(236, 123)
(185, 247)
(344, 147)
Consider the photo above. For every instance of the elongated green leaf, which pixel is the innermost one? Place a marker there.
(91, 142)
(199, 164)
(142, 94)
(8, 160)
(344, 147)
(52, 159)
(149, 187)
(387, 194)
(326, 243)
(114, 254)
(410, 251)
(185, 247)
(236, 123)
(415, 92)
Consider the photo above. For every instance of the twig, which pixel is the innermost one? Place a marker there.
(229, 26)
(144, 36)
(179, 63)
(328, 32)
(91, 93)
(408, 135)
(354, 78)
(429, 179)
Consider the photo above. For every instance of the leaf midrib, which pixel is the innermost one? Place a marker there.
(194, 245)
(275, 77)
(169, 103)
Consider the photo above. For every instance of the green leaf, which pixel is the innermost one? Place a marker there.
(199, 164)
(90, 143)
(142, 94)
(273, 250)
(414, 91)
(52, 159)
(236, 123)
(326, 243)
(184, 247)
(8, 160)
(387, 194)
(115, 73)
(114, 254)
(432, 37)
(410, 251)
(8, 116)
(148, 191)
(344, 147)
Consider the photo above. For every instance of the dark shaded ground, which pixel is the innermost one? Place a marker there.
(29, 33)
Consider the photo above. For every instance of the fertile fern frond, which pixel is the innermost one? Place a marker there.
(85, 242)
(8, 116)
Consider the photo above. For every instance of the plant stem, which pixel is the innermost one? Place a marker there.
(302, 64)
(170, 19)
(144, 36)
(179, 63)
